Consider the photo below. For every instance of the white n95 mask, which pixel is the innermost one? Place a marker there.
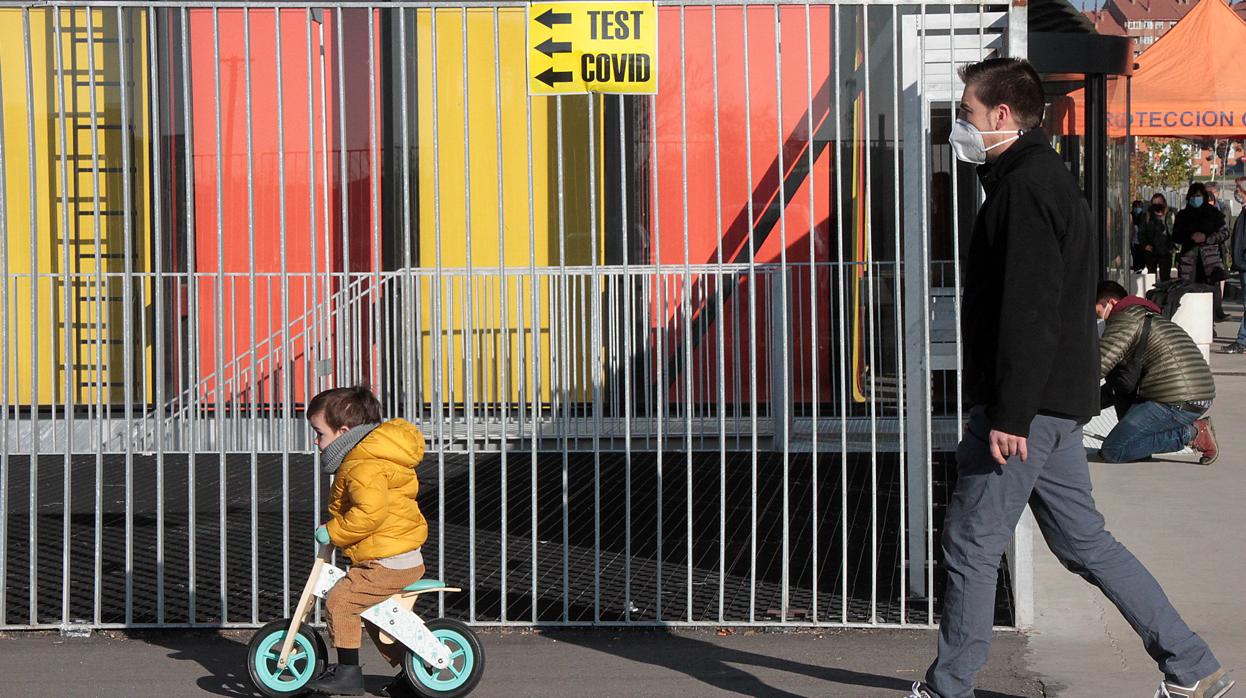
(966, 142)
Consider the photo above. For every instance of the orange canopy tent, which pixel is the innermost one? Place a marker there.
(1177, 89)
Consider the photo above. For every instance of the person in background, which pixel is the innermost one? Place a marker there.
(1155, 236)
(1238, 258)
(1199, 229)
(1213, 198)
(1170, 385)
(1137, 253)
(1222, 205)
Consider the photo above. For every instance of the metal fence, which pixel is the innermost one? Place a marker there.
(681, 358)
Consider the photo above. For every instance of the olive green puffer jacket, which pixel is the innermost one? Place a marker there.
(1173, 369)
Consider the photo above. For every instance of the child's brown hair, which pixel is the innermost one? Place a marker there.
(346, 407)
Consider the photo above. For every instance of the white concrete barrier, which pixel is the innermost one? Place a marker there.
(1194, 316)
(1140, 282)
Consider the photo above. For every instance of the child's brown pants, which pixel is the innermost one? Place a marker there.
(365, 585)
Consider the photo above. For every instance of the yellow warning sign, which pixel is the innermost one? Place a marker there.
(578, 47)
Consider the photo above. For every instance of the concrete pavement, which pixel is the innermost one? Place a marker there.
(557, 664)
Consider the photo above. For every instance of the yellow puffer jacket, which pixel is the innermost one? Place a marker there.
(372, 510)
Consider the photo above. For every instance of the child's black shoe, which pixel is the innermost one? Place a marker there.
(339, 680)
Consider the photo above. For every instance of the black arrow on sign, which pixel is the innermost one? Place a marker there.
(549, 47)
(549, 18)
(551, 76)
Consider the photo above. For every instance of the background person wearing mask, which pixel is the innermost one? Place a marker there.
(1199, 229)
(1173, 386)
(1155, 236)
(1239, 263)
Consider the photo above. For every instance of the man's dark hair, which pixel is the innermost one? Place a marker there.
(1008, 81)
(1196, 188)
(346, 407)
(1110, 291)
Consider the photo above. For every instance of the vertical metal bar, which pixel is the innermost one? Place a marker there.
(595, 289)
(252, 367)
(870, 314)
(329, 336)
(504, 400)
(68, 285)
(158, 279)
(469, 329)
(4, 383)
(286, 363)
(34, 335)
(783, 323)
(686, 300)
(901, 414)
(534, 374)
(843, 296)
(193, 331)
(100, 296)
(220, 318)
(663, 396)
(408, 288)
(815, 393)
(719, 321)
(628, 353)
(437, 319)
(563, 356)
(313, 342)
(928, 494)
(127, 293)
(374, 179)
(343, 187)
(752, 331)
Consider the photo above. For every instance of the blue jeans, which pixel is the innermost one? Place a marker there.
(1241, 332)
(1149, 428)
(1055, 481)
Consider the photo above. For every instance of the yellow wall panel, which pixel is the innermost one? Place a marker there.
(76, 256)
(459, 188)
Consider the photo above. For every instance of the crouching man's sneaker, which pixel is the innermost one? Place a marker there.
(920, 691)
(1205, 441)
(1213, 686)
(1234, 348)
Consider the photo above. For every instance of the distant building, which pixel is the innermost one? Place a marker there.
(1145, 21)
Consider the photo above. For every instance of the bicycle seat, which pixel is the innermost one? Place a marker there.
(424, 585)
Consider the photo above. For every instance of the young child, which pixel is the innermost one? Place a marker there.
(373, 518)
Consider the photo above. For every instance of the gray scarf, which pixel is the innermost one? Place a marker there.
(331, 458)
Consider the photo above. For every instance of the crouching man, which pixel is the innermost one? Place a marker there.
(1163, 376)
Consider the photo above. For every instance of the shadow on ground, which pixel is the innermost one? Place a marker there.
(223, 656)
(726, 668)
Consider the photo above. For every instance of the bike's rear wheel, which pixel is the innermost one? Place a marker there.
(467, 662)
(306, 661)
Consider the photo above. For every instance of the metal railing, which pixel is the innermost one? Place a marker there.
(673, 353)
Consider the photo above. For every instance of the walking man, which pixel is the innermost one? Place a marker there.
(1028, 304)
(1239, 263)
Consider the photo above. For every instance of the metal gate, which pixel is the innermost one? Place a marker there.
(683, 358)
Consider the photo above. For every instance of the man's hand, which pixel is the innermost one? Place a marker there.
(1004, 445)
(1199, 238)
(1148, 248)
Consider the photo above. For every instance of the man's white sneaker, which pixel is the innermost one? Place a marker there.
(919, 691)
(1213, 686)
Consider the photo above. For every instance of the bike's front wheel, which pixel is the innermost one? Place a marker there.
(306, 661)
(467, 662)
